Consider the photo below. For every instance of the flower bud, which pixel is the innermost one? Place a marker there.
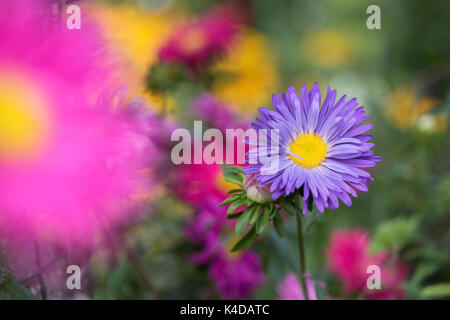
(255, 191)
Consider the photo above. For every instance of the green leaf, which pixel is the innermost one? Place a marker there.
(263, 219)
(12, 290)
(394, 233)
(423, 270)
(232, 170)
(234, 191)
(246, 241)
(254, 214)
(235, 180)
(274, 211)
(231, 199)
(279, 225)
(242, 221)
(441, 290)
(235, 216)
(235, 205)
(289, 208)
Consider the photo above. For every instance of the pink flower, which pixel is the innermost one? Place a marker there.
(392, 277)
(348, 257)
(70, 168)
(195, 43)
(236, 277)
(290, 289)
(200, 183)
(217, 114)
(210, 219)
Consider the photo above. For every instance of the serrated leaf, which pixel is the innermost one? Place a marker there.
(263, 219)
(279, 225)
(246, 241)
(235, 205)
(242, 221)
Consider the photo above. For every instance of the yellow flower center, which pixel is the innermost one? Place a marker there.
(310, 150)
(23, 122)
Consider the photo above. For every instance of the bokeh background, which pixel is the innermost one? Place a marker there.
(399, 73)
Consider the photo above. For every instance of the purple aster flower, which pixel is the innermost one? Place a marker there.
(321, 148)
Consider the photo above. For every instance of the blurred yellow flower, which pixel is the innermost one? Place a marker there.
(135, 35)
(327, 48)
(248, 74)
(223, 185)
(406, 109)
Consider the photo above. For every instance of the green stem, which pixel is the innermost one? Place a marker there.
(301, 249)
(311, 222)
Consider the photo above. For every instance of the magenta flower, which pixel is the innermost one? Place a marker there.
(236, 277)
(196, 43)
(348, 257)
(70, 169)
(199, 183)
(208, 108)
(210, 220)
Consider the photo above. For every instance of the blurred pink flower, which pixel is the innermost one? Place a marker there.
(290, 289)
(348, 257)
(209, 220)
(196, 42)
(198, 184)
(236, 277)
(70, 168)
(217, 114)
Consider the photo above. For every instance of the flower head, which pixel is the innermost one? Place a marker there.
(322, 148)
(216, 113)
(250, 69)
(208, 223)
(328, 48)
(255, 191)
(70, 167)
(197, 42)
(405, 108)
(348, 257)
(198, 184)
(135, 35)
(290, 289)
(236, 277)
